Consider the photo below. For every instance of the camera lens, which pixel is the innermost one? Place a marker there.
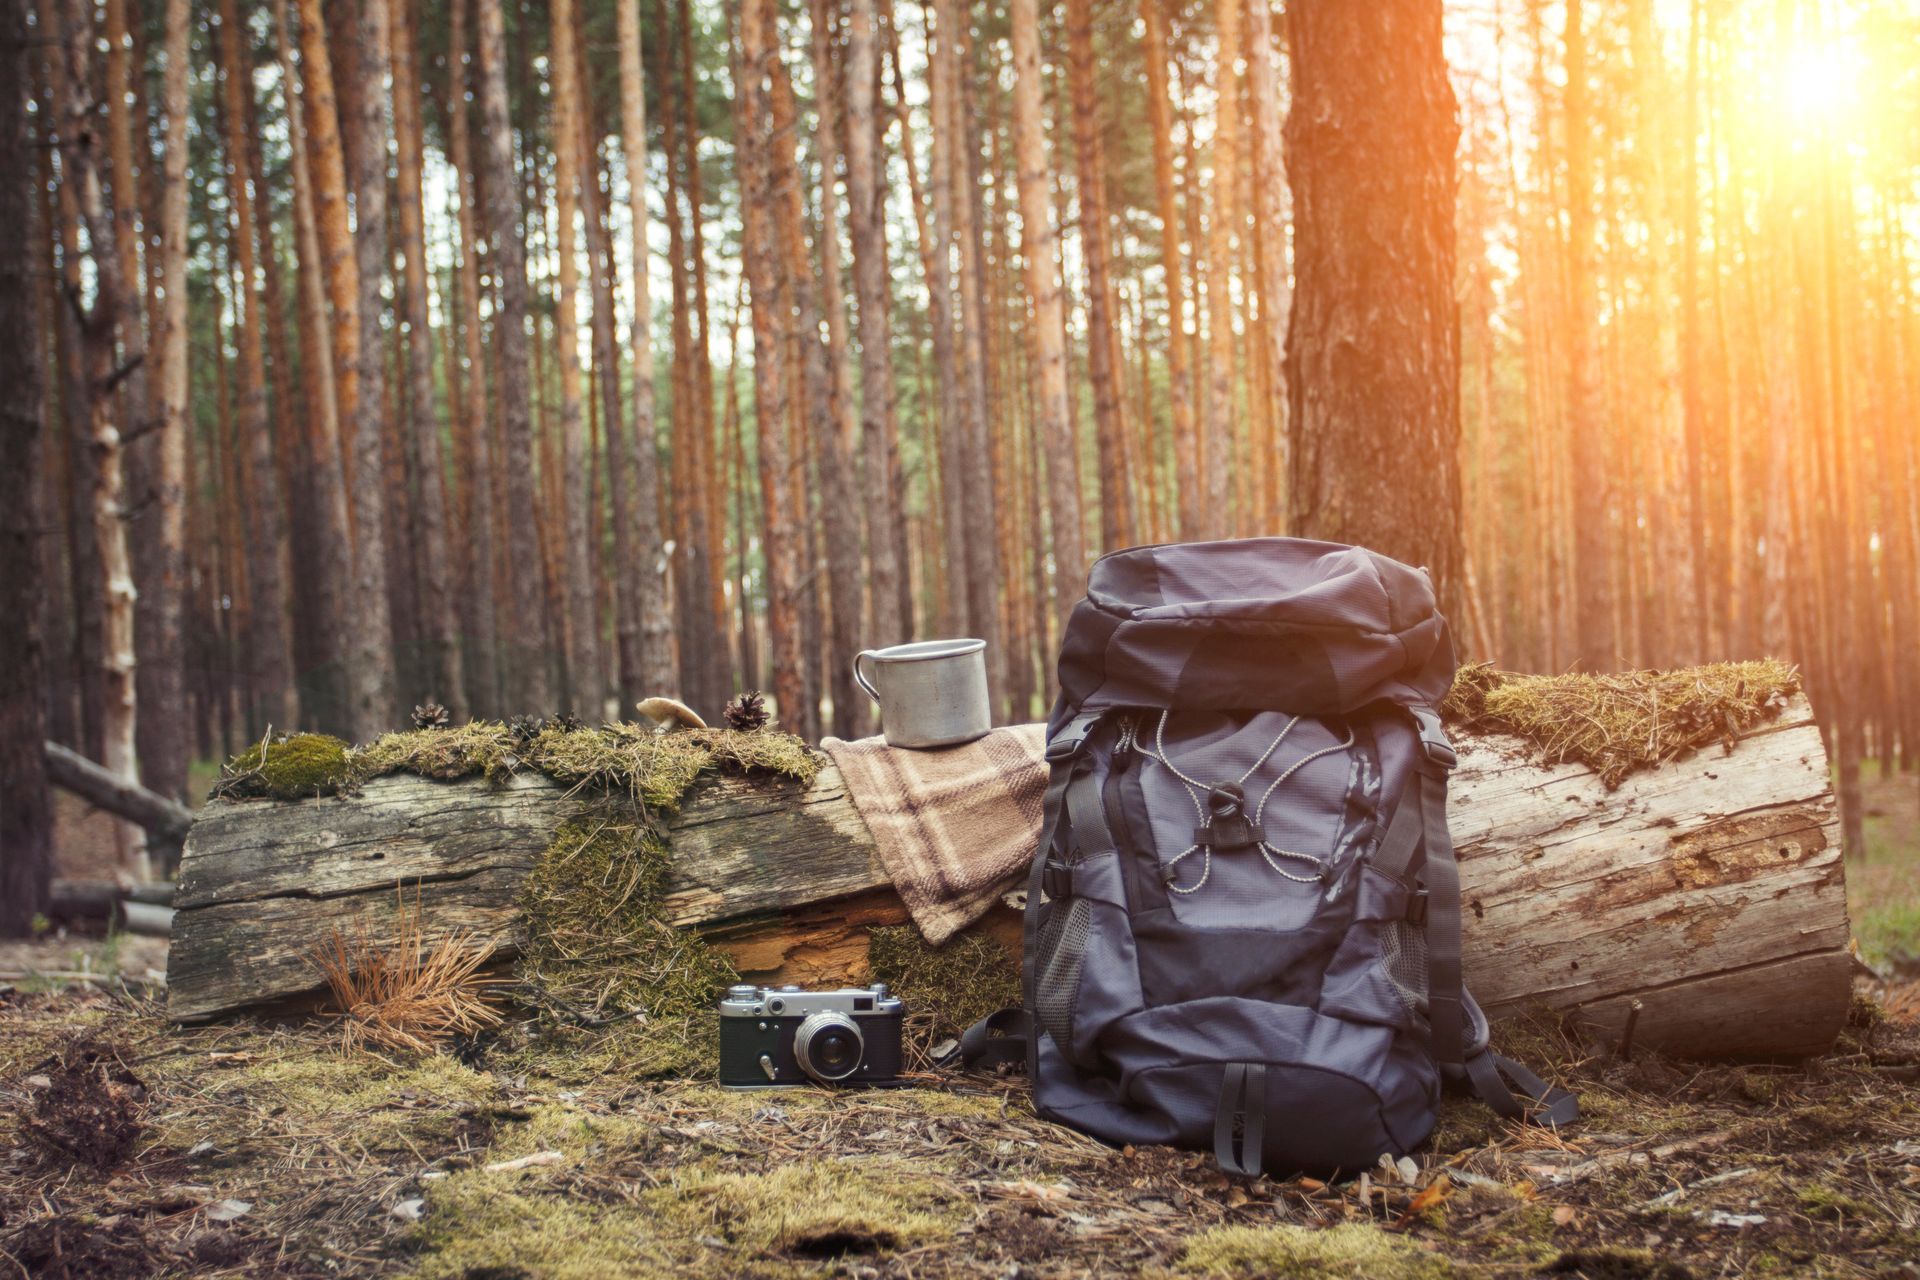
(828, 1046)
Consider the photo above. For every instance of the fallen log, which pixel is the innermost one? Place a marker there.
(166, 821)
(1709, 890)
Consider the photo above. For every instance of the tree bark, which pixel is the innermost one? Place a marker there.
(26, 809)
(1186, 442)
(101, 340)
(1040, 248)
(1594, 647)
(1109, 421)
(1373, 354)
(763, 192)
(478, 612)
(1710, 890)
(1220, 416)
(373, 701)
(840, 478)
(442, 668)
(584, 683)
(328, 569)
(887, 622)
(270, 664)
(656, 665)
(1276, 290)
(529, 690)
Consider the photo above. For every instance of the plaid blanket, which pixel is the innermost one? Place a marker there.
(955, 828)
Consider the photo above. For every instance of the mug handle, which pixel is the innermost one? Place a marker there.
(860, 677)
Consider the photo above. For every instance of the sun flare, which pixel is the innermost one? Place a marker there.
(1817, 84)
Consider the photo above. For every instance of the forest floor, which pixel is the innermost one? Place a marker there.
(128, 1147)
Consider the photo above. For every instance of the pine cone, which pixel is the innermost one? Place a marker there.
(566, 722)
(524, 729)
(748, 711)
(429, 715)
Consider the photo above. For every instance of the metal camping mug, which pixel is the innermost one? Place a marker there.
(932, 693)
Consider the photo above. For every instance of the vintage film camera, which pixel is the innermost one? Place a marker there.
(772, 1036)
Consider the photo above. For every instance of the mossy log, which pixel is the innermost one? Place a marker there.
(1708, 891)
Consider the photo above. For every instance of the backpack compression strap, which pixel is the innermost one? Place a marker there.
(1420, 825)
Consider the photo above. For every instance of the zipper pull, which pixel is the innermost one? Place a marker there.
(1122, 755)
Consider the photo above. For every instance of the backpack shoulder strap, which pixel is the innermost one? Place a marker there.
(1417, 840)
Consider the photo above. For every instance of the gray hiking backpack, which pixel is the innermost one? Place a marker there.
(1243, 921)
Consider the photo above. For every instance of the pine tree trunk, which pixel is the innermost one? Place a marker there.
(583, 689)
(936, 257)
(1040, 248)
(840, 480)
(656, 665)
(1221, 424)
(1276, 292)
(442, 667)
(887, 622)
(270, 665)
(480, 618)
(1109, 420)
(1186, 441)
(761, 197)
(373, 701)
(1592, 504)
(26, 808)
(528, 688)
(1374, 352)
(328, 567)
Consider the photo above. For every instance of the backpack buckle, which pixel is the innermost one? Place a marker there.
(1434, 747)
(1228, 826)
(1056, 880)
(1417, 907)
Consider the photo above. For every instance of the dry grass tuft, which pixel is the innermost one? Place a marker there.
(406, 996)
(1618, 724)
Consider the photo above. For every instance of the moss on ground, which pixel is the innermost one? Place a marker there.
(809, 1209)
(1618, 724)
(1354, 1249)
(951, 986)
(297, 767)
